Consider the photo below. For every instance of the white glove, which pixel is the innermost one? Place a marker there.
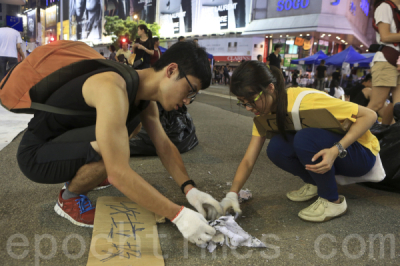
(231, 201)
(194, 226)
(201, 201)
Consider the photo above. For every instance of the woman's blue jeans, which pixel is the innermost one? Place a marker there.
(294, 154)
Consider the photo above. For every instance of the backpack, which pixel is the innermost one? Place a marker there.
(29, 84)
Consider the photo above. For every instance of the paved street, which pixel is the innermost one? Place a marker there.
(224, 133)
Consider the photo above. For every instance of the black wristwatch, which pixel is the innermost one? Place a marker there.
(342, 151)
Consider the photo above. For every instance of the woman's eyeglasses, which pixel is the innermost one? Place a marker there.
(250, 104)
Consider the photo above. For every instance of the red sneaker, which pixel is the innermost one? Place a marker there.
(78, 210)
(104, 184)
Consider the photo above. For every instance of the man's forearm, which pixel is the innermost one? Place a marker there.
(172, 161)
(139, 191)
(21, 53)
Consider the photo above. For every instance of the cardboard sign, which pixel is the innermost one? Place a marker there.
(316, 118)
(124, 233)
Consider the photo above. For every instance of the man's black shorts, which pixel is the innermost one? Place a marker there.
(56, 161)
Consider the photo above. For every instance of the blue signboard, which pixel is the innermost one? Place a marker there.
(15, 23)
(289, 4)
(335, 3)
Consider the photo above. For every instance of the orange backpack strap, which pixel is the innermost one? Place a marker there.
(28, 86)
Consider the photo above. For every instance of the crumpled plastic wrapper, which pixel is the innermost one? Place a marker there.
(231, 234)
(244, 194)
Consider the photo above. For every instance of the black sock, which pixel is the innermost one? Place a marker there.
(68, 194)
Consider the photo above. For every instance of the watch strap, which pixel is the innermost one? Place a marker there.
(189, 182)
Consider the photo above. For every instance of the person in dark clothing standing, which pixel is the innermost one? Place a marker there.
(321, 74)
(143, 48)
(157, 52)
(274, 59)
(226, 75)
(112, 54)
(336, 74)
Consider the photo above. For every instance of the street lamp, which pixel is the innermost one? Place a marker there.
(136, 17)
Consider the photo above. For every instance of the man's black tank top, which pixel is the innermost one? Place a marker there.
(47, 126)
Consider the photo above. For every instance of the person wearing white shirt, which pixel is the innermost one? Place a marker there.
(10, 46)
(385, 77)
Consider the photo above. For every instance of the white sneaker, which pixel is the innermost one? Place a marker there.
(306, 192)
(323, 210)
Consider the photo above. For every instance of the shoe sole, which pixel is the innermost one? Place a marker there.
(65, 215)
(97, 188)
(326, 218)
(102, 187)
(300, 200)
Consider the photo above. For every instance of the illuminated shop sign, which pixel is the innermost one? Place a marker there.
(289, 4)
(365, 7)
(335, 3)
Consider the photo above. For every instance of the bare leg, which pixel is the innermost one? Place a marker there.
(88, 177)
(91, 175)
(396, 94)
(377, 101)
(386, 112)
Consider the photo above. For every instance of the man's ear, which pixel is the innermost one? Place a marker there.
(171, 69)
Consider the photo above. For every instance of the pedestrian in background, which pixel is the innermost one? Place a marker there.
(321, 74)
(274, 59)
(143, 48)
(124, 51)
(112, 54)
(385, 77)
(227, 78)
(10, 46)
(259, 58)
(157, 52)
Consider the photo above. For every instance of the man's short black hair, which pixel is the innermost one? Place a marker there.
(367, 78)
(195, 62)
(277, 46)
(180, 38)
(195, 39)
(258, 56)
(155, 39)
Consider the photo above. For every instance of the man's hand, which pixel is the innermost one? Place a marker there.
(328, 158)
(204, 202)
(193, 226)
(231, 201)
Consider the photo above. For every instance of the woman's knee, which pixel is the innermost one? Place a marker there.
(279, 148)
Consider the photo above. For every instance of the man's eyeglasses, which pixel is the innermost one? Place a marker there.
(193, 93)
(250, 104)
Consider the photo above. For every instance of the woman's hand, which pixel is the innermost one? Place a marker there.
(328, 158)
(141, 47)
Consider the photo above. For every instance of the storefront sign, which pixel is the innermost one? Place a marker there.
(289, 4)
(365, 7)
(232, 58)
(335, 3)
(15, 23)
